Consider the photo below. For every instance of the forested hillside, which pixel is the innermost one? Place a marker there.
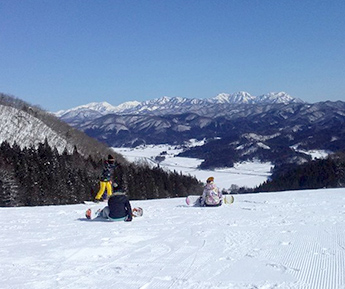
(319, 173)
(42, 176)
(29, 125)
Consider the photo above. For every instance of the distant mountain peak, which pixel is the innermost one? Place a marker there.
(238, 97)
(94, 108)
(221, 97)
(278, 97)
(245, 98)
(97, 106)
(126, 105)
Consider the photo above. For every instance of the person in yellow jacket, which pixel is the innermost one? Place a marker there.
(105, 182)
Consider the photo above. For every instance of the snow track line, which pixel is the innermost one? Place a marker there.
(188, 271)
(311, 263)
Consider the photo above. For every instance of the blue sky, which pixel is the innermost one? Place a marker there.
(61, 54)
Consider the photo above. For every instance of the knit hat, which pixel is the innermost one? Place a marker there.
(210, 179)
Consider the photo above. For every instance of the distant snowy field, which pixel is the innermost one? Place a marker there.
(246, 174)
(270, 240)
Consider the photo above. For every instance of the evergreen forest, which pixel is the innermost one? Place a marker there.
(315, 174)
(42, 176)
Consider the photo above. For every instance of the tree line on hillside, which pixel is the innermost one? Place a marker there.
(42, 176)
(315, 174)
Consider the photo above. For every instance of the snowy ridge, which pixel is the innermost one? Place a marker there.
(173, 104)
(26, 130)
(285, 240)
(239, 97)
(94, 110)
(245, 97)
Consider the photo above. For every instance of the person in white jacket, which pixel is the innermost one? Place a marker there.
(211, 196)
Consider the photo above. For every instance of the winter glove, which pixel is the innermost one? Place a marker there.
(129, 218)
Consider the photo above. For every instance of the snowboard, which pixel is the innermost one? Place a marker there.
(194, 201)
(95, 212)
(137, 212)
(228, 199)
(90, 203)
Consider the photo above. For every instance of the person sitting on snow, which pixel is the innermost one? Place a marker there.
(211, 196)
(119, 207)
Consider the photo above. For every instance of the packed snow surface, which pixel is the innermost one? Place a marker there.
(290, 239)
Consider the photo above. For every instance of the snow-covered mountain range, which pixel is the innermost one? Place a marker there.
(169, 105)
(273, 127)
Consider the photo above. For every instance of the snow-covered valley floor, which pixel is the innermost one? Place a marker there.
(270, 240)
(245, 174)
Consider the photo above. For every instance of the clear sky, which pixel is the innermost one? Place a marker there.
(63, 53)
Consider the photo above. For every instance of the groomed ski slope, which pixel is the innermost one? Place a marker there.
(273, 240)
